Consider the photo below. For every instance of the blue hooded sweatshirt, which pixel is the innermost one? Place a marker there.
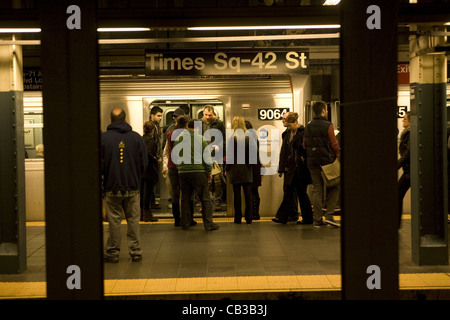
(124, 158)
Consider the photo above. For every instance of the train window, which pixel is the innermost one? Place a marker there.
(308, 111)
(448, 108)
(335, 114)
(329, 111)
(168, 117)
(193, 108)
(33, 132)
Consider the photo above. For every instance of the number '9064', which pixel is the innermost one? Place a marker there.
(271, 113)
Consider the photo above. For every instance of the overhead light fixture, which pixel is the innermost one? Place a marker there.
(20, 30)
(37, 30)
(194, 40)
(331, 2)
(325, 26)
(122, 29)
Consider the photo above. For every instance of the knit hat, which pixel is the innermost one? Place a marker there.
(178, 112)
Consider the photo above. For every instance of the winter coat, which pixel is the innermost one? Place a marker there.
(239, 169)
(293, 157)
(199, 159)
(151, 172)
(403, 148)
(123, 158)
(317, 143)
(219, 125)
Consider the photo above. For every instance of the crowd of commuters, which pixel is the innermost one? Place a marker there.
(131, 165)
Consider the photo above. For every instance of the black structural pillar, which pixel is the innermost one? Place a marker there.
(13, 257)
(369, 149)
(429, 206)
(72, 138)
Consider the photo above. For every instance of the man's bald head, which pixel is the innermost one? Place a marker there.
(117, 114)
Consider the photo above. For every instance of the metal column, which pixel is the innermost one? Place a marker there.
(428, 70)
(72, 139)
(369, 149)
(13, 258)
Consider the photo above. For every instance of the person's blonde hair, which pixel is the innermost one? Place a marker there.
(238, 123)
(40, 148)
(292, 117)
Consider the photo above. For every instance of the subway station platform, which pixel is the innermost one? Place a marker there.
(262, 261)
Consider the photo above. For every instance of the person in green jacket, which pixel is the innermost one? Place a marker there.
(192, 156)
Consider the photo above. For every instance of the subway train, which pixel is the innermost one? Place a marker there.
(260, 99)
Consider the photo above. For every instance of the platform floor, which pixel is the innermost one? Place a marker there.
(262, 257)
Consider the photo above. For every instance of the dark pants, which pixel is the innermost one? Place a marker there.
(256, 200)
(238, 202)
(198, 182)
(176, 192)
(147, 193)
(175, 183)
(404, 183)
(296, 189)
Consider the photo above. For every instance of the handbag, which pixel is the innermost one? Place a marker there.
(215, 169)
(331, 173)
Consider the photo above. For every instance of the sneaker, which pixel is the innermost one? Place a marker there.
(278, 221)
(111, 259)
(332, 222)
(319, 224)
(303, 222)
(212, 227)
(136, 258)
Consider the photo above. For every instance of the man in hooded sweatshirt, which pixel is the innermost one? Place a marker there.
(124, 159)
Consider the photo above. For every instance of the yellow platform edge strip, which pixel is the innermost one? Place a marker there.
(212, 285)
(165, 220)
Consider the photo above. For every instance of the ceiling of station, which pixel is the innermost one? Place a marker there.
(168, 23)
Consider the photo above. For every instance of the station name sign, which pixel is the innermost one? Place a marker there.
(224, 62)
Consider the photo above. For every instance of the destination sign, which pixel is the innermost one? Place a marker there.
(171, 63)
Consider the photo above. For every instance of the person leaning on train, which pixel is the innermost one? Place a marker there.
(239, 171)
(296, 174)
(156, 117)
